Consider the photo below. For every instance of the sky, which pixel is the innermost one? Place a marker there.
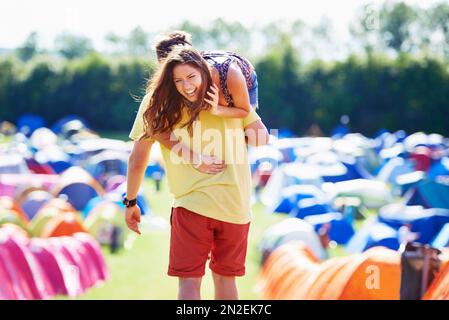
(95, 18)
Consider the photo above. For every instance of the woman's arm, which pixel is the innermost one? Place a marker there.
(238, 89)
(203, 163)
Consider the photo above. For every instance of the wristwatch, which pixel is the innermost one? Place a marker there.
(129, 203)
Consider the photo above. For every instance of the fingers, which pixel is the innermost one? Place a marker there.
(214, 168)
(211, 94)
(134, 228)
(132, 219)
(212, 160)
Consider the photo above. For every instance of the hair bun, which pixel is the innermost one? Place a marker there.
(181, 37)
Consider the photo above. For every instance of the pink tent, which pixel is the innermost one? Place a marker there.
(80, 253)
(93, 248)
(7, 290)
(24, 270)
(53, 265)
(78, 272)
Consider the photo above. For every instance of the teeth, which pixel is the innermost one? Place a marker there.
(190, 92)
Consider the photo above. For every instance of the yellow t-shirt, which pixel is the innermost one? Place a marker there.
(225, 196)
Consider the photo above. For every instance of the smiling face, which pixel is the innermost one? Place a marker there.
(188, 81)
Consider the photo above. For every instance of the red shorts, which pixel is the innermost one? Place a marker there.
(194, 236)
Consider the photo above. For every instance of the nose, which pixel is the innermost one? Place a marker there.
(187, 85)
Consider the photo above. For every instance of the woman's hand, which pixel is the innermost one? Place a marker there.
(209, 164)
(213, 101)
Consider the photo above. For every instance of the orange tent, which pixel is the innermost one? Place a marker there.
(63, 225)
(372, 275)
(285, 266)
(439, 288)
(9, 203)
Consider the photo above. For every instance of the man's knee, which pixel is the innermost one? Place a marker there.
(223, 279)
(191, 282)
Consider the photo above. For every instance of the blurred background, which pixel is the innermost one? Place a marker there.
(358, 92)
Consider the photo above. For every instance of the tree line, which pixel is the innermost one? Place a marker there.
(398, 78)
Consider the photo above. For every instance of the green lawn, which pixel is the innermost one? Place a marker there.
(141, 272)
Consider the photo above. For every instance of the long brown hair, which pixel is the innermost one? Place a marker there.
(165, 106)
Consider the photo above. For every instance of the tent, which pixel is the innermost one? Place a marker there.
(55, 157)
(426, 223)
(43, 138)
(34, 201)
(373, 194)
(28, 122)
(430, 194)
(9, 203)
(393, 168)
(41, 219)
(291, 229)
(94, 251)
(372, 275)
(289, 197)
(54, 265)
(63, 225)
(24, 270)
(38, 168)
(106, 222)
(340, 227)
(79, 187)
(64, 123)
(439, 288)
(286, 175)
(373, 234)
(12, 163)
(11, 217)
(106, 164)
(329, 166)
(442, 239)
(286, 267)
(439, 168)
(77, 274)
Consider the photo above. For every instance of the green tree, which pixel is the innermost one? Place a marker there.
(395, 25)
(72, 46)
(29, 48)
(439, 21)
(138, 42)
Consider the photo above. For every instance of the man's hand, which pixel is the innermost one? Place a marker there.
(210, 165)
(132, 217)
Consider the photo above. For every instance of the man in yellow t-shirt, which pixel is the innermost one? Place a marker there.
(211, 210)
(214, 209)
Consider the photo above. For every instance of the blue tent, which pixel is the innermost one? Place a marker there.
(310, 206)
(28, 122)
(372, 234)
(429, 194)
(442, 239)
(58, 125)
(439, 168)
(341, 230)
(426, 224)
(290, 196)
